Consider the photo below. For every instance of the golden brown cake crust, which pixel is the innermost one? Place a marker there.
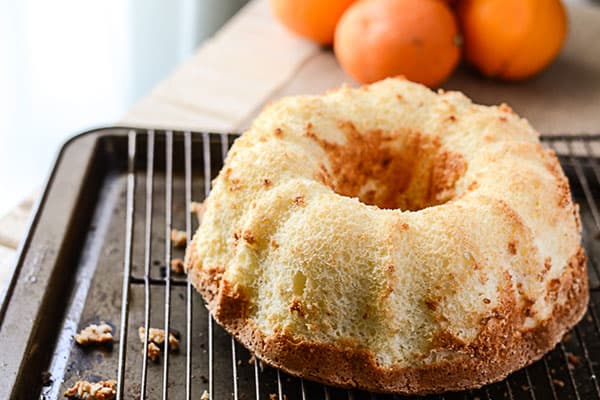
(498, 350)
(391, 239)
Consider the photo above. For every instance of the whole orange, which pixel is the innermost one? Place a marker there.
(376, 39)
(313, 19)
(512, 39)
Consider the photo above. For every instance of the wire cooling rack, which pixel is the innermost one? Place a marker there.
(567, 372)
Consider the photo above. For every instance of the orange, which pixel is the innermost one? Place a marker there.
(512, 39)
(312, 19)
(376, 39)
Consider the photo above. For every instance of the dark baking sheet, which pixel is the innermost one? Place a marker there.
(70, 270)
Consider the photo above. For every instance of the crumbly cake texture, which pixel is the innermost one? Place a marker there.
(177, 266)
(392, 239)
(178, 238)
(157, 337)
(95, 334)
(84, 390)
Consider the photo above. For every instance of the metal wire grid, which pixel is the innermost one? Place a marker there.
(148, 281)
(582, 160)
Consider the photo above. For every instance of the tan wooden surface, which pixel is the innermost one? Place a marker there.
(253, 59)
(12, 228)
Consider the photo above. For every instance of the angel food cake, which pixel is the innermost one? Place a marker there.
(392, 239)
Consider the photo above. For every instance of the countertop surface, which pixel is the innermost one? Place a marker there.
(253, 60)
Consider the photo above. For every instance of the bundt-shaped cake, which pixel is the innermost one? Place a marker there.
(392, 239)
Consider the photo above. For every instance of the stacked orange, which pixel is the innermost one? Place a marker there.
(423, 40)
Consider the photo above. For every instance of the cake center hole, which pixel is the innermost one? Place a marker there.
(392, 170)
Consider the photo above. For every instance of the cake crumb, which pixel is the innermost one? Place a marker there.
(95, 334)
(198, 208)
(252, 359)
(573, 360)
(153, 351)
(205, 396)
(156, 339)
(157, 336)
(179, 238)
(177, 266)
(84, 390)
(273, 396)
(558, 383)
